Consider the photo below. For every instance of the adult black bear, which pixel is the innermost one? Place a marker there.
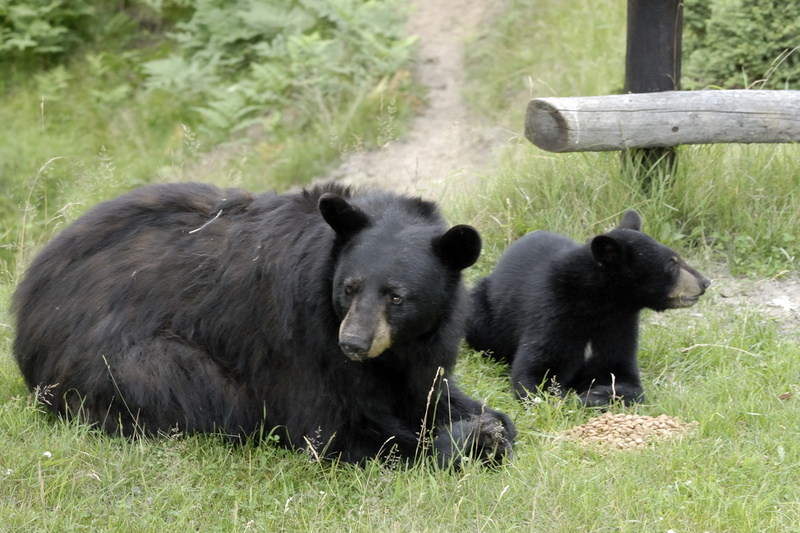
(566, 313)
(332, 320)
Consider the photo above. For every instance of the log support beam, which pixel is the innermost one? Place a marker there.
(664, 119)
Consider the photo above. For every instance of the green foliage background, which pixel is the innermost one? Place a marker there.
(742, 44)
(278, 65)
(43, 29)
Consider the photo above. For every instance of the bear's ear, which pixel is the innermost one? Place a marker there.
(345, 219)
(459, 247)
(631, 220)
(608, 251)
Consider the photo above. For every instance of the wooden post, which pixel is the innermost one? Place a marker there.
(653, 64)
(653, 53)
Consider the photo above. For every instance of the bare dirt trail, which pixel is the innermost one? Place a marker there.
(778, 299)
(448, 148)
(446, 145)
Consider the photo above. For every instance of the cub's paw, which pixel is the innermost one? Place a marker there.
(600, 395)
(487, 438)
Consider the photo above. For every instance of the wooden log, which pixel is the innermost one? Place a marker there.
(672, 118)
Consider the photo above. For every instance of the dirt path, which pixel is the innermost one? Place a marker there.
(777, 299)
(446, 145)
(448, 148)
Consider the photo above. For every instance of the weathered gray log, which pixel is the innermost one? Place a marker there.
(671, 118)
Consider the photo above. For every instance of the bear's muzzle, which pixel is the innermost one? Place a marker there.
(364, 333)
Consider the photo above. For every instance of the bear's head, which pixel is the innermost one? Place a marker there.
(398, 273)
(646, 272)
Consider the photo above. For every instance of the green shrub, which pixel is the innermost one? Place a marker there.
(42, 28)
(40, 34)
(279, 64)
(742, 43)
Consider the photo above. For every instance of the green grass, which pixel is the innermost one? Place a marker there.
(737, 472)
(543, 48)
(727, 208)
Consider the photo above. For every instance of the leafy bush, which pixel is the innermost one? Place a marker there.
(278, 63)
(39, 34)
(742, 43)
(42, 28)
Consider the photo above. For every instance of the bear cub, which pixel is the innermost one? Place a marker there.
(328, 319)
(566, 315)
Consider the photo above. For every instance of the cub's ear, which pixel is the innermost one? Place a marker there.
(608, 251)
(459, 247)
(631, 220)
(345, 219)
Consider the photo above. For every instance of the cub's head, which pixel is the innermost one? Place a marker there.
(398, 274)
(651, 274)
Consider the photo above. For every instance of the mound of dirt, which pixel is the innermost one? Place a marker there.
(628, 432)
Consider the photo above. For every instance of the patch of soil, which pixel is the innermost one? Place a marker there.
(776, 299)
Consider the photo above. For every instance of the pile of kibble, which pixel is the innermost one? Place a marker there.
(628, 432)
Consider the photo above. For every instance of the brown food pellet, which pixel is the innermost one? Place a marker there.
(628, 432)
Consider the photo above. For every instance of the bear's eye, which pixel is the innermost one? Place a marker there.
(396, 299)
(350, 289)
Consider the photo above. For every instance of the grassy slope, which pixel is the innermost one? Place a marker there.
(724, 369)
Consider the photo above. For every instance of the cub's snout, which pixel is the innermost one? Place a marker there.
(689, 287)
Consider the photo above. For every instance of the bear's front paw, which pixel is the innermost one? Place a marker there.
(487, 438)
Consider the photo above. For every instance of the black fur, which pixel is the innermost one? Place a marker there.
(188, 307)
(561, 312)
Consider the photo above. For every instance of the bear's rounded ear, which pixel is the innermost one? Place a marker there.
(459, 247)
(345, 219)
(631, 220)
(607, 251)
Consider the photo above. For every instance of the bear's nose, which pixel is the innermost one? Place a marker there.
(354, 347)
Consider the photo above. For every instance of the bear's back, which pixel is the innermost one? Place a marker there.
(163, 258)
(523, 268)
